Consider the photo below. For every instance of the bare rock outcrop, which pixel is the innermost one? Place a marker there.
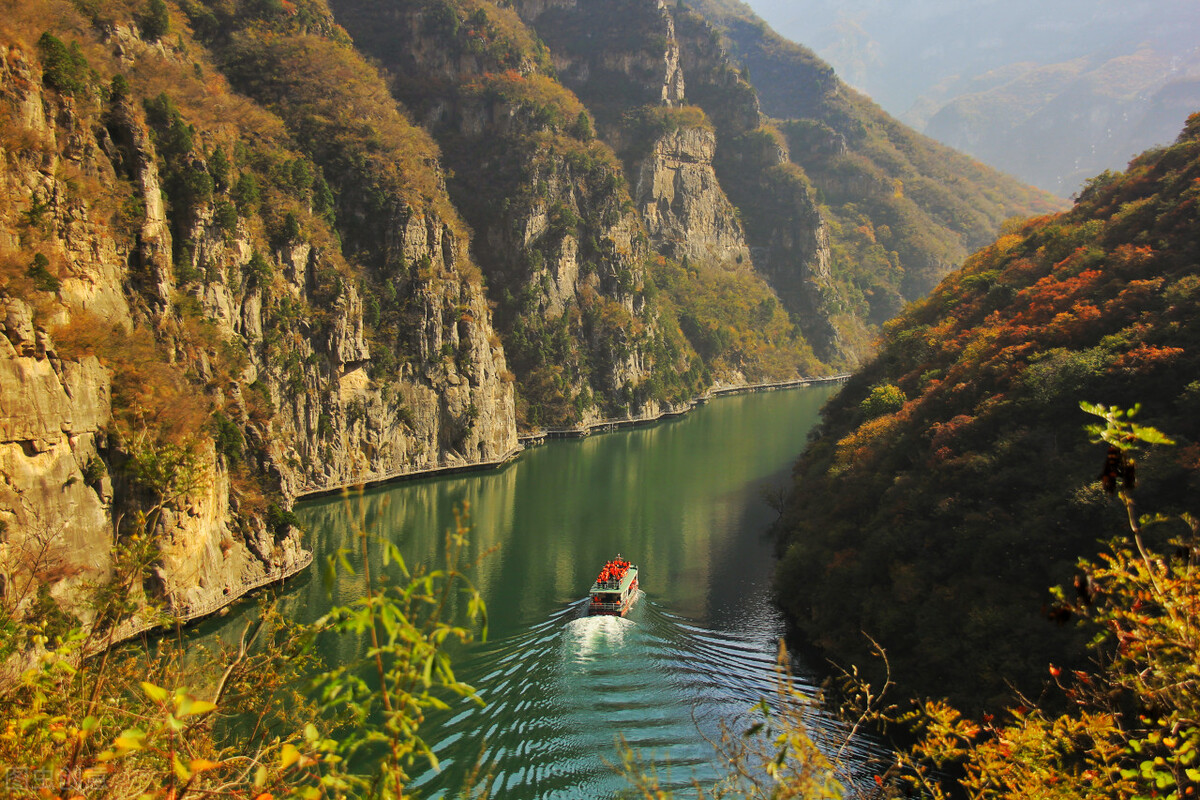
(683, 205)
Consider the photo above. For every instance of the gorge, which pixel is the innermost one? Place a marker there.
(237, 271)
(254, 253)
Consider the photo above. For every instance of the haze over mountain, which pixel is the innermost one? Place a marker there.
(1050, 92)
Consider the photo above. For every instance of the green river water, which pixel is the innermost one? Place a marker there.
(684, 500)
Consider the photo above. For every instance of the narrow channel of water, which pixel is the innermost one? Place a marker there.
(685, 500)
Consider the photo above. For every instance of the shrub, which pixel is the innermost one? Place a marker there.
(118, 88)
(227, 437)
(280, 521)
(64, 68)
(39, 272)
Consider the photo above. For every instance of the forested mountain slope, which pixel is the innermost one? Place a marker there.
(214, 303)
(953, 482)
(658, 85)
(903, 209)
(250, 254)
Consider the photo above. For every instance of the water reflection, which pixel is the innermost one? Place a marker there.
(683, 500)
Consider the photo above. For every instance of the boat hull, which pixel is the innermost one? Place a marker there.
(612, 604)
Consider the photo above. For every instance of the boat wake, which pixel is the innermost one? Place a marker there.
(591, 637)
(559, 695)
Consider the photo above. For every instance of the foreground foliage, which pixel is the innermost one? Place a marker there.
(158, 719)
(1128, 725)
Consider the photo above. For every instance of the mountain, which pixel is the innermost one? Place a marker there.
(1054, 125)
(953, 481)
(262, 249)
(1049, 92)
(902, 209)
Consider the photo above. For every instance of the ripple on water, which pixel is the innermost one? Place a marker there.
(560, 693)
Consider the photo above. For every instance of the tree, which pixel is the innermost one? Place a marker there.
(883, 399)
(156, 22)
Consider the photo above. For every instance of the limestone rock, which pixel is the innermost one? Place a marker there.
(683, 205)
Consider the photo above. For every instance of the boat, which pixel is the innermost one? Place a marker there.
(615, 589)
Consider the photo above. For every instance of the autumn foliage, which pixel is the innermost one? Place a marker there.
(936, 527)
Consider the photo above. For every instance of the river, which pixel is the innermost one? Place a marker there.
(685, 500)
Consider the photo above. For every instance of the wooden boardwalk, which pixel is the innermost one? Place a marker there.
(581, 431)
(408, 474)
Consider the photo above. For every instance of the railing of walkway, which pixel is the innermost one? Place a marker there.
(580, 431)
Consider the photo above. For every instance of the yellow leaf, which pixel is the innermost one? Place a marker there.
(189, 706)
(288, 755)
(129, 740)
(155, 693)
(181, 771)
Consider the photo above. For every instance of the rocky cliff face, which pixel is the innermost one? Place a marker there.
(684, 208)
(639, 64)
(690, 172)
(615, 54)
(788, 235)
(557, 237)
(55, 503)
(199, 327)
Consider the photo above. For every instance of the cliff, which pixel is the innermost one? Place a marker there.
(197, 331)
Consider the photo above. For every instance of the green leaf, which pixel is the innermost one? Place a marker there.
(429, 754)
(390, 550)
(427, 674)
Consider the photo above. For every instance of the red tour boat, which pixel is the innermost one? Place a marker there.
(615, 589)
